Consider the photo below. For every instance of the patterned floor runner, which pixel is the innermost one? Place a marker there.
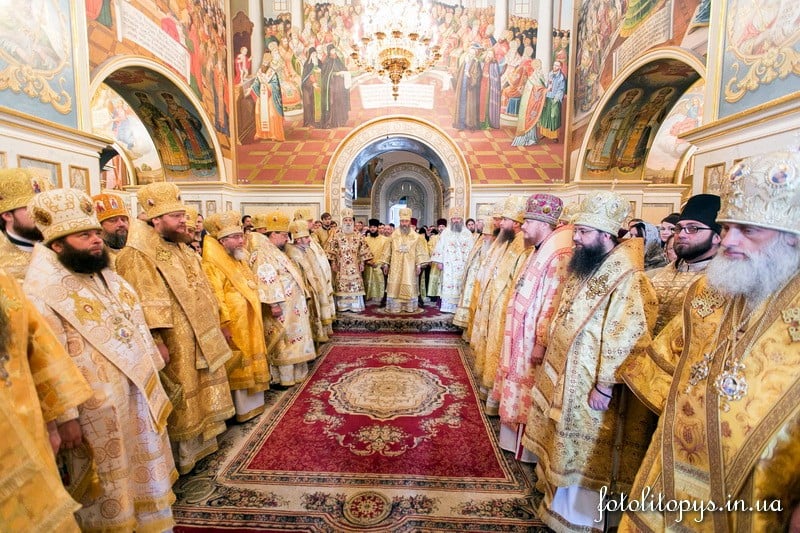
(386, 435)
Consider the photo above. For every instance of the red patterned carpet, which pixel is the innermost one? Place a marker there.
(386, 435)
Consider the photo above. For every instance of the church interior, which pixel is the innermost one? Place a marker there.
(254, 106)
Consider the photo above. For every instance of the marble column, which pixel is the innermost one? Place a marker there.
(255, 11)
(544, 42)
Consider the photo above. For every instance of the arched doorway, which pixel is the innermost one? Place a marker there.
(419, 187)
(447, 164)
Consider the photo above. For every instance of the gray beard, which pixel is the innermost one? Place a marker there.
(457, 227)
(756, 277)
(405, 231)
(239, 254)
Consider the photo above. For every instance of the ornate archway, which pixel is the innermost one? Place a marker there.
(454, 177)
(423, 188)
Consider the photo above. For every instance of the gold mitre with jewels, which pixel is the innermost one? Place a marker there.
(514, 208)
(455, 211)
(497, 208)
(603, 210)
(277, 221)
(763, 191)
(221, 225)
(62, 212)
(347, 213)
(17, 187)
(299, 229)
(159, 199)
(259, 221)
(109, 205)
(191, 218)
(404, 213)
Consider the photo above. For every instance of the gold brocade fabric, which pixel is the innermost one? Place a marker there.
(403, 254)
(289, 338)
(180, 309)
(42, 384)
(499, 291)
(600, 322)
(99, 319)
(434, 274)
(374, 283)
(452, 250)
(305, 262)
(463, 316)
(12, 259)
(671, 285)
(236, 291)
(481, 294)
(347, 252)
(746, 454)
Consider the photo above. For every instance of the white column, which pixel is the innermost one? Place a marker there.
(297, 14)
(255, 11)
(544, 41)
(500, 18)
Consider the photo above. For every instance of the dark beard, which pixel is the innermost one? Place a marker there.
(496, 232)
(585, 261)
(374, 233)
(31, 234)
(115, 240)
(176, 236)
(82, 261)
(506, 235)
(691, 252)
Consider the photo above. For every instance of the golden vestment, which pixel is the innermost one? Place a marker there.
(181, 311)
(346, 253)
(498, 291)
(403, 254)
(235, 288)
(13, 259)
(671, 283)
(290, 342)
(434, 274)
(306, 263)
(531, 306)
(328, 306)
(99, 319)
(322, 235)
(708, 448)
(374, 282)
(42, 384)
(479, 307)
(463, 316)
(601, 321)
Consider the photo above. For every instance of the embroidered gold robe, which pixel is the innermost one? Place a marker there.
(463, 317)
(403, 254)
(305, 260)
(452, 249)
(600, 322)
(181, 310)
(374, 282)
(290, 343)
(434, 274)
(236, 291)
(13, 260)
(323, 269)
(42, 384)
(503, 279)
(746, 455)
(346, 253)
(99, 319)
(479, 306)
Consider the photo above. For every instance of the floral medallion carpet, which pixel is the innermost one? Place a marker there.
(386, 435)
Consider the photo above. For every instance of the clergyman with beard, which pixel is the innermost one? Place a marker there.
(181, 311)
(450, 257)
(374, 280)
(19, 233)
(402, 260)
(587, 430)
(114, 220)
(348, 252)
(99, 319)
(234, 285)
(734, 386)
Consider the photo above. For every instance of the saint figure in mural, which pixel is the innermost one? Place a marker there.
(550, 122)
(312, 90)
(169, 146)
(644, 126)
(190, 130)
(490, 91)
(530, 108)
(468, 90)
(335, 91)
(243, 65)
(266, 91)
(611, 131)
(121, 125)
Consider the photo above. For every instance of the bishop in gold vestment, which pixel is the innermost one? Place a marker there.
(586, 430)
(403, 258)
(236, 291)
(38, 384)
(97, 316)
(729, 434)
(181, 312)
(19, 233)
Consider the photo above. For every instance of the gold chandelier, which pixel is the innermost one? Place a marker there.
(397, 40)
